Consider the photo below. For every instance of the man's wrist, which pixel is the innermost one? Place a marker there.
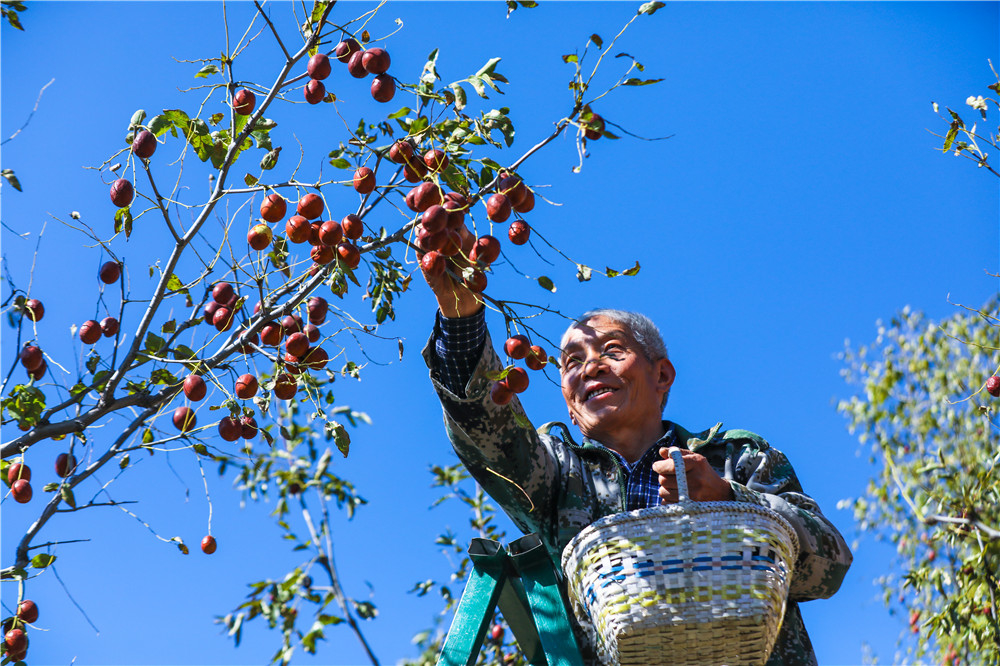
(459, 308)
(464, 313)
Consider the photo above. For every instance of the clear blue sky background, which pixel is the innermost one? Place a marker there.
(799, 200)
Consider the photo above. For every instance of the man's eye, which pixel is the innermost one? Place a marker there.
(613, 350)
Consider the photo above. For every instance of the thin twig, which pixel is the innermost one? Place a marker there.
(37, 102)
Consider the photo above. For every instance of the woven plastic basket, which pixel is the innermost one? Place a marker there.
(692, 583)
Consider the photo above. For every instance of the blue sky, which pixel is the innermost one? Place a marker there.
(799, 199)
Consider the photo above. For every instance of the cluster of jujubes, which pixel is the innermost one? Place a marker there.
(364, 61)
(330, 240)
(15, 643)
(442, 238)
(515, 380)
(18, 476)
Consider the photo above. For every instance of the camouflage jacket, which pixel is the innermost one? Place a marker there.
(551, 486)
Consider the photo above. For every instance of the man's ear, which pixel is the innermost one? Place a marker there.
(572, 418)
(665, 375)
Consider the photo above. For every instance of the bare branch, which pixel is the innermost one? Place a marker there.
(35, 108)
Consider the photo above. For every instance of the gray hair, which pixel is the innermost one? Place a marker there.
(646, 333)
(642, 328)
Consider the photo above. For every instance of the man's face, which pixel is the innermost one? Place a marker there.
(609, 385)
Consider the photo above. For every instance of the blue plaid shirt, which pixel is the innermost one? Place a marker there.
(458, 344)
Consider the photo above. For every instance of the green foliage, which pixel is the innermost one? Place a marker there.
(965, 141)
(298, 473)
(24, 404)
(482, 523)
(933, 434)
(9, 10)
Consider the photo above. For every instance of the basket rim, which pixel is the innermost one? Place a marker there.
(687, 508)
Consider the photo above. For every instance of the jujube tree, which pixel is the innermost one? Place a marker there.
(927, 410)
(233, 353)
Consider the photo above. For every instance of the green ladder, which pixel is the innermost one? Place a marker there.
(523, 582)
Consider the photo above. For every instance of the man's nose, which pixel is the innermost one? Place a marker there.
(593, 366)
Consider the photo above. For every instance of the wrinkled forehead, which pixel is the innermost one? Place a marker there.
(592, 330)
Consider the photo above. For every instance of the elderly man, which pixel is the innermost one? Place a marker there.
(615, 378)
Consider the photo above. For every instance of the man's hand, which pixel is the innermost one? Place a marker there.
(704, 485)
(453, 297)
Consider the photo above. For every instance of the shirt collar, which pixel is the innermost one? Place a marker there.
(668, 439)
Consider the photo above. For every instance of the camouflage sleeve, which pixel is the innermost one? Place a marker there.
(764, 476)
(499, 447)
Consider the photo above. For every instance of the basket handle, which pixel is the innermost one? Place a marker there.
(680, 473)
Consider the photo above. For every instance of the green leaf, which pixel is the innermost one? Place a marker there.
(200, 127)
(366, 610)
(632, 271)
(460, 99)
(250, 180)
(478, 85)
(183, 353)
(123, 221)
(15, 573)
(216, 118)
(163, 376)
(13, 19)
(137, 119)
(67, 495)
(546, 283)
(419, 125)
(430, 75)
(319, 6)
(640, 82)
(147, 436)
(42, 560)
(650, 7)
(169, 327)
(340, 163)
(11, 178)
(270, 160)
(949, 139)
(159, 125)
(205, 71)
(154, 343)
(489, 67)
(262, 138)
(401, 113)
(100, 378)
(123, 463)
(174, 284)
(176, 117)
(342, 439)
(572, 57)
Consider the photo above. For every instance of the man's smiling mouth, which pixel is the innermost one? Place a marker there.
(597, 392)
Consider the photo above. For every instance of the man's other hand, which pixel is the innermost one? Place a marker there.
(704, 485)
